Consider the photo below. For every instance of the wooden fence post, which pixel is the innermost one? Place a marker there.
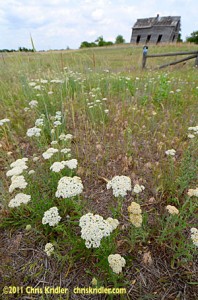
(144, 57)
(196, 61)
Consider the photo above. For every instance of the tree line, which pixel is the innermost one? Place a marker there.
(20, 49)
(100, 42)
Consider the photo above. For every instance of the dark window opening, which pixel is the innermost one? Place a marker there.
(159, 38)
(138, 39)
(173, 38)
(148, 38)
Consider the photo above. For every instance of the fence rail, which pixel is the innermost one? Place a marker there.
(145, 56)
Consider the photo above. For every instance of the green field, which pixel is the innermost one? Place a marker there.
(110, 118)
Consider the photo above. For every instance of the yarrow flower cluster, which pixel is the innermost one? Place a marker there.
(65, 150)
(17, 167)
(19, 199)
(194, 236)
(69, 187)
(94, 228)
(170, 152)
(34, 131)
(51, 217)
(172, 210)
(138, 188)
(57, 166)
(120, 185)
(17, 182)
(49, 153)
(33, 103)
(71, 164)
(65, 137)
(135, 214)
(193, 192)
(193, 129)
(116, 262)
(39, 122)
(49, 249)
(3, 121)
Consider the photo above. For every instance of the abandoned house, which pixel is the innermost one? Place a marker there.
(156, 30)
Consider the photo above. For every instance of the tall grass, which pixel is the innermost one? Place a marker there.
(122, 120)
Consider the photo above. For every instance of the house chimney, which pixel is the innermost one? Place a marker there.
(157, 16)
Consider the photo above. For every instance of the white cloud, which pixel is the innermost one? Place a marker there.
(58, 23)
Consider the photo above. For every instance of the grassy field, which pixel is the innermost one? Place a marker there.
(93, 132)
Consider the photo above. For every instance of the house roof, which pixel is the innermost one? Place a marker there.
(157, 21)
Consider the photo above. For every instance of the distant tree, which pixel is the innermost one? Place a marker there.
(179, 39)
(119, 39)
(109, 43)
(100, 41)
(193, 38)
(86, 44)
(23, 49)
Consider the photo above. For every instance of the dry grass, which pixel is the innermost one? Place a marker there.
(144, 120)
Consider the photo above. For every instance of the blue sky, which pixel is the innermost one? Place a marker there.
(56, 24)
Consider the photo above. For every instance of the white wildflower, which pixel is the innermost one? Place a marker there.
(51, 217)
(37, 87)
(191, 136)
(39, 122)
(35, 158)
(71, 164)
(94, 228)
(54, 142)
(116, 262)
(3, 121)
(170, 152)
(194, 236)
(138, 188)
(49, 153)
(33, 103)
(19, 199)
(21, 162)
(49, 249)
(18, 182)
(194, 129)
(44, 81)
(69, 187)
(120, 185)
(65, 137)
(32, 83)
(16, 171)
(34, 131)
(31, 172)
(112, 222)
(172, 210)
(57, 166)
(57, 123)
(193, 192)
(65, 150)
